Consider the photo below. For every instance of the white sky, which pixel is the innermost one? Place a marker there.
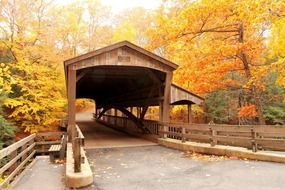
(120, 5)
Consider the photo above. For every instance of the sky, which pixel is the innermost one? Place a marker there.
(120, 5)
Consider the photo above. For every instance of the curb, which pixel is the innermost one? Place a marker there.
(80, 179)
(221, 150)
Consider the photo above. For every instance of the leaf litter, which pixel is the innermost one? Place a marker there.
(207, 157)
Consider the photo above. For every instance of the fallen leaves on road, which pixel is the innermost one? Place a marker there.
(58, 161)
(206, 157)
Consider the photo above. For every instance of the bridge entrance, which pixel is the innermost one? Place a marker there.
(98, 135)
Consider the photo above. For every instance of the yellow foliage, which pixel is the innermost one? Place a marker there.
(211, 40)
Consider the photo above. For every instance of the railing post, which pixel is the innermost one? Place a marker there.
(30, 144)
(160, 130)
(15, 165)
(22, 149)
(183, 134)
(42, 146)
(165, 129)
(213, 136)
(253, 142)
(77, 155)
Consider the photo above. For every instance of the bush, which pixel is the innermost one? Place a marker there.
(7, 132)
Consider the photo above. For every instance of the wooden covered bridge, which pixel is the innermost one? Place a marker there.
(122, 76)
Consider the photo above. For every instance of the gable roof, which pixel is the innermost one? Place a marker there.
(118, 45)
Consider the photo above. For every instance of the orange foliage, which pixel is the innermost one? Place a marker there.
(248, 111)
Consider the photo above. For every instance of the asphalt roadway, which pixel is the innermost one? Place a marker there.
(160, 168)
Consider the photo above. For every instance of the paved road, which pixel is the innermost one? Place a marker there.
(156, 167)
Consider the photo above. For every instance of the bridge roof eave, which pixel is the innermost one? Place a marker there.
(181, 96)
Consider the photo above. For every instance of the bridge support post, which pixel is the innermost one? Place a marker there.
(189, 109)
(116, 116)
(71, 96)
(165, 106)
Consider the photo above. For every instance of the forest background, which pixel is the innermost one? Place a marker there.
(231, 52)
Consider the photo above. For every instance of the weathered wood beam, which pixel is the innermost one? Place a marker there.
(143, 112)
(166, 102)
(135, 102)
(71, 96)
(189, 109)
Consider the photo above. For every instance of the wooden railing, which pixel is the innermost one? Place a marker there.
(125, 123)
(153, 126)
(77, 144)
(15, 157)
(120, 123)
(255, 137)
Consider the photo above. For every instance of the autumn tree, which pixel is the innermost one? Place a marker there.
(35, 95)
(218, 44)
(35, 38)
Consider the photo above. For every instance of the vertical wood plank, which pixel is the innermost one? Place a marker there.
(77, 155)
(22, 149)
(161, 127)
(14, 166)
(214, 134)
(71, 95)
(166, 102)
(183, 135)
(189, 109)
(253, 142)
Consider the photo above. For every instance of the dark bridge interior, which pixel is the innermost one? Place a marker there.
(121, 86)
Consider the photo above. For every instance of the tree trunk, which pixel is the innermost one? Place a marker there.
(245, 61)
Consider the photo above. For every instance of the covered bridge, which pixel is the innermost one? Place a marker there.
(124, 75)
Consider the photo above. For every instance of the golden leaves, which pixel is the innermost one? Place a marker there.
(205, 157)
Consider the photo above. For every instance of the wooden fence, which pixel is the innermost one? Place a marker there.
(15, 157)
(121, 123)
(152, 126)
(255, 137)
